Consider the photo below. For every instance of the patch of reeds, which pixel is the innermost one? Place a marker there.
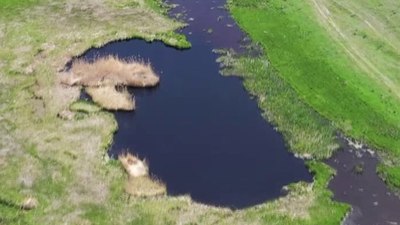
(111, 71)
(106, 80)
(112, 98)
(133, 165)
(139, 183)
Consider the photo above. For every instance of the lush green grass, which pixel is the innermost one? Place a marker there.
(316, 65)
(367, 31)
(390, 174)
(158, 5)
(12, 6)
(84, 106)
(306, 132)
(173, 39)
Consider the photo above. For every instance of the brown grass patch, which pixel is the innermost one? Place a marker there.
(297, 203)
(103, 77)
(111, 71)
(144, 186)
(139, 183)
(133, 165)
(110, 98)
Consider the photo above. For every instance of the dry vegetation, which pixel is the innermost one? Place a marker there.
(297, 203)
(106, 79)
(112, 98)
(133, 165)
(144, 186)
(139, 182)
(111, 71)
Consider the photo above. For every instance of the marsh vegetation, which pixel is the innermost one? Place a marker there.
(62, 163)
(106, 80)
(110, 71)
(57, 166)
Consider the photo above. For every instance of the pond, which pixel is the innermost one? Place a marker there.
(202, 134)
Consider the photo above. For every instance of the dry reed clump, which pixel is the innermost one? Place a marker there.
(298, 202)
(139, 183)
(133, 165)
(112, 98)
(102, 77)
(111, 71)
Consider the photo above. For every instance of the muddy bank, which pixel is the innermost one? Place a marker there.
(358, 184)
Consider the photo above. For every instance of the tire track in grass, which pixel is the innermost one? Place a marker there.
(360, 59)
(374, 24)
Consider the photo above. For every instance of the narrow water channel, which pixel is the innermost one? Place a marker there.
(202, 134)
(357, 183)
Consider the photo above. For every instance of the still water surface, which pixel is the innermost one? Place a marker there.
(202, 133)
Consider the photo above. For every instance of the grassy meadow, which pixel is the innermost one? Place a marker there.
(60, 158)
(341, 58)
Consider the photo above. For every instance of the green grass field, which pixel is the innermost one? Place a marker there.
(340, 57)
(62, 163)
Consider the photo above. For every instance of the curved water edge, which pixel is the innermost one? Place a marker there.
(232, 175)
(202, 133)
(205, 137)
(357, 183)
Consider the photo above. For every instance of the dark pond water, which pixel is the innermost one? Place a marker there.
(202, 134)
(373, 203)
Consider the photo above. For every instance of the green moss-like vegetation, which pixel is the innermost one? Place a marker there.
(84, 106)
(158, 5)
(175, 40)
(331, 75)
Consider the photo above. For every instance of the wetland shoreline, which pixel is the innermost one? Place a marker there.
(64, 165)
